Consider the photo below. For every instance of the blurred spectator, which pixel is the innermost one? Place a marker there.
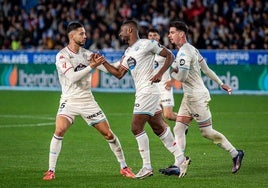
(214, 24)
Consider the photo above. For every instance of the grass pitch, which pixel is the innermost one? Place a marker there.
(27, 125)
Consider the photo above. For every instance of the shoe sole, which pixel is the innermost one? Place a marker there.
(48, 179)
(128, 176)
(145, 176)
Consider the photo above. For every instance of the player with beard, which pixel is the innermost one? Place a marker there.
(139, 60)
(74, 65)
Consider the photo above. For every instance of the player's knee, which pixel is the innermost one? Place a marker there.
(158, 130)
(109, 136)
(60, 132)
(135, 130)
(206, 132)
(167, 115)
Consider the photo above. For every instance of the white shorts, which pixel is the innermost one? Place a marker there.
(166, 97)
(196, 107)
(87, 108)
(147, 103)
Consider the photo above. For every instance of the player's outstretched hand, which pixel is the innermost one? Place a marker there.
(96, 59)
(227, 88)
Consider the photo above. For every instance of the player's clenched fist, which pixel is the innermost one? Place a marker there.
(95, 60)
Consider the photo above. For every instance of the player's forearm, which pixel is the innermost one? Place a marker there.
(75, 76)
(210, 73)
(113, 70)
(168, 62)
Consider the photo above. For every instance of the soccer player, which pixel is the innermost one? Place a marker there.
(196, 97)
(139, 60)
(165, 85)
(74, 65)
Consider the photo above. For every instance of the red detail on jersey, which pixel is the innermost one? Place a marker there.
(201, 60)
(61, 57)
(64, 65)
(67, 70)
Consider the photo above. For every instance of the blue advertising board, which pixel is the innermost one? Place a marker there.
(245, 71)
(216, 57)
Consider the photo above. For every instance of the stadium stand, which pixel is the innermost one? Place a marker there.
(214, 24)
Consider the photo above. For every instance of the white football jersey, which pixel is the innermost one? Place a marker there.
(67, 59)
(188, 58)
(139, 60)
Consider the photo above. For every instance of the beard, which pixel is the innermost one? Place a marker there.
(124, 39)
(80, 43)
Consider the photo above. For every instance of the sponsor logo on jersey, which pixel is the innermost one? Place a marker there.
(195, 115)
(94, 115)
(80, 67)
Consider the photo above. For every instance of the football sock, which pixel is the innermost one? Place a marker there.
(179, 132)
(143, 144)
(117, 150)
(219, 139)
(169, 142)
(55, 148)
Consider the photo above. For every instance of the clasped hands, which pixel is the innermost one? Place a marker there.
(96, 59)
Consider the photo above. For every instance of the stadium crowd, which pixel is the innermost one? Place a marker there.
(214, 24)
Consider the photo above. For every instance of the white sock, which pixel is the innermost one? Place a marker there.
(180, 138)
(118, 151)
(169, 142)
(143, 144)
(219, 139)
(55, 148)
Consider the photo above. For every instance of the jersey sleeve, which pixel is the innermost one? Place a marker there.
(65, 68)
(183, 59)
(63, 63)
(124, 62)
(183, 62)
(154, 46)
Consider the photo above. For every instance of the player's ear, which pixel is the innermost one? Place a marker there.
(131, 29)
(181, 34)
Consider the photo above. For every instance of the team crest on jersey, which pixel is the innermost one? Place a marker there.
(131, 63)
(137, 48)
(182, 62)
(156, 64)
(80, 67)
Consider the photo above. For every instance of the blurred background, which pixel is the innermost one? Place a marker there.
(214, 24)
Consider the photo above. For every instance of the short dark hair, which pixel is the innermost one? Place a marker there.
(132, 23)
(73, 26)
(179, 25)
(153, 30)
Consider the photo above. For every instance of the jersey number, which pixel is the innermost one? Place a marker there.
(62, 105)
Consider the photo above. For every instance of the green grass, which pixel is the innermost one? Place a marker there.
(26, 127)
